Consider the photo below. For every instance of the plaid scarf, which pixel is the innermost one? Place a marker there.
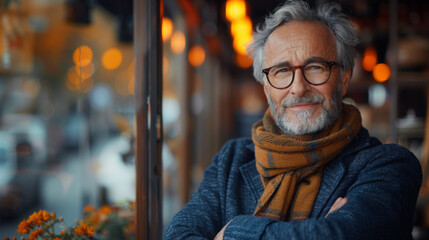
(291, 166)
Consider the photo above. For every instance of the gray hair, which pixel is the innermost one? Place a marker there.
(328, 14)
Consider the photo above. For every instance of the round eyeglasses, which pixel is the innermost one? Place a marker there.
(316, 73)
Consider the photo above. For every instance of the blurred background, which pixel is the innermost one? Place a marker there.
(67, 98)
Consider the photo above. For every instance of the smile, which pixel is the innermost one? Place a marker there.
(303, 106)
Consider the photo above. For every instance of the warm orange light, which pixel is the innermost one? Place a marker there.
(240, 43)
(381, 72)
(167, 28)
(235, 9)
(85, 72)
(82, 55)
(243, 61)
(369, 59)
(242, 26)
(75, 83)
(72, 79)
(178, 42)
(111, 58)
(196, 56)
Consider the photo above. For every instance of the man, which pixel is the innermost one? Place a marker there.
(310, 171)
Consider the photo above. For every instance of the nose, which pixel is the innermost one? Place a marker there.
(299, 86)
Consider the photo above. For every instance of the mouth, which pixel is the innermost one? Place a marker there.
(303, 106)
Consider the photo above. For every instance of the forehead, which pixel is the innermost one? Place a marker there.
(295, 42)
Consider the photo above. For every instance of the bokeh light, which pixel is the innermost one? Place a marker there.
(82, 55)
(235, 9)
(111, 58)
(369, 59)
(167, 28)
(85, 72)
(101, 96)
(75, 83)
(381, 72)
(73, 79)
(377, 95)
(243, 61)
(242, 26)
(178, 42)
(196, 56)
(240, 43)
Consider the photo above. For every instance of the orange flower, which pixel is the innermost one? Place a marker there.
(84, 229)
(35, 219)
(24, 227)
(57, 238)
(88, 209)
(105, 209)
(44, 215)
(6, 238)
(14, 238)
(62, 232)
(53, 215)
(34, 234)
(93, 219)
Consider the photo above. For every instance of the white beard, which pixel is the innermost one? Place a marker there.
(306, 125)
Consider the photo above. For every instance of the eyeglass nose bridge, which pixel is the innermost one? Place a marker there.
(302, 72)
(293, 69)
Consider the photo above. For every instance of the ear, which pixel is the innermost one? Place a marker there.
(345, 80)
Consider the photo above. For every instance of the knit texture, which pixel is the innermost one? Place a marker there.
(291, 166)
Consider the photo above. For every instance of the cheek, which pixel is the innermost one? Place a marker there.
(329, 90)
(277, 95)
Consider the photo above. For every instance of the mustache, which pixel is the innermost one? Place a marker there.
(300, 100)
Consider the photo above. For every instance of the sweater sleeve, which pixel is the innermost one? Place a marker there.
(380, 205)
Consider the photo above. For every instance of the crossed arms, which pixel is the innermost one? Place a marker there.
(381, 197)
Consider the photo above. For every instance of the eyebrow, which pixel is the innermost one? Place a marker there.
(309, 60)
(314, 59)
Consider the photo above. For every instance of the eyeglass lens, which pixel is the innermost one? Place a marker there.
(314, 72)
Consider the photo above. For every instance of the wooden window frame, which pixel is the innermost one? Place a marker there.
(148, 106)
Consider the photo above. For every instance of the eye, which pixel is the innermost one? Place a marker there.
(316, 66)
(281, 70)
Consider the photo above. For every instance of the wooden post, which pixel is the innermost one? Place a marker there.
(148, 86)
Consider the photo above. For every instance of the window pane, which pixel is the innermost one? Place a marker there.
(67, 109)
